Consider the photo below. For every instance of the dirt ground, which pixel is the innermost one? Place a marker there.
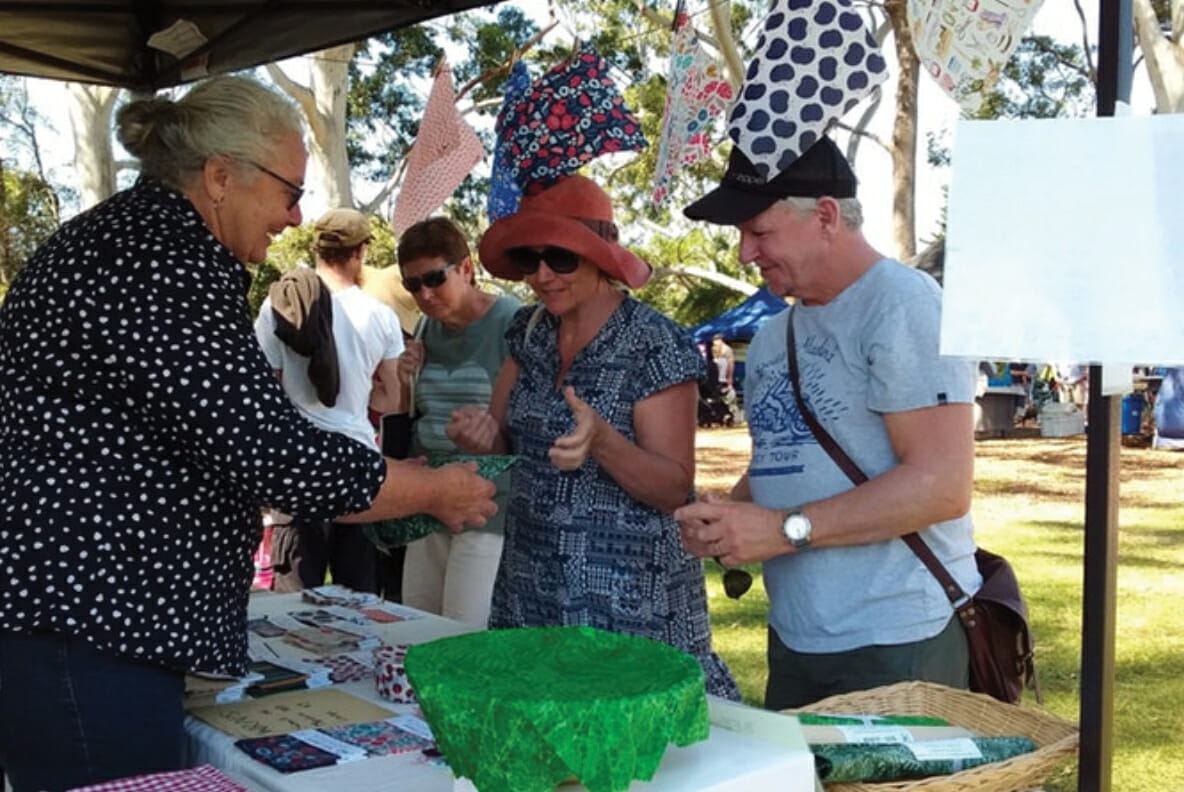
(1040, 467)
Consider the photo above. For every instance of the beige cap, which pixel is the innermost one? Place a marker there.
(341, 228)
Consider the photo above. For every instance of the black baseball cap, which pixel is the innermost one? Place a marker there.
(744, 193)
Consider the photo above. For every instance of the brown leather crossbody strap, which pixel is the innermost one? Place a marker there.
(847, 464)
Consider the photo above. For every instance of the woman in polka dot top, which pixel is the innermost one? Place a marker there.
(141, 430)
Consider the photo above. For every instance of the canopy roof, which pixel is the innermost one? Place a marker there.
(106, 41)
(741, 322)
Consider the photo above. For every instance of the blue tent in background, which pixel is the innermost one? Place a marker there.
(741, 323)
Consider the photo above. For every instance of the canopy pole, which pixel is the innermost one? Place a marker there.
(1103, 444)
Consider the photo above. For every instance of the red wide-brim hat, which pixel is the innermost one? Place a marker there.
(574, 214)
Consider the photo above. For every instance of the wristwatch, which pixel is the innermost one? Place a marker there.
(797, 529)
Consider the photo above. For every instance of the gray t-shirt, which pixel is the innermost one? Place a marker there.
(871, 350)
(460, 368)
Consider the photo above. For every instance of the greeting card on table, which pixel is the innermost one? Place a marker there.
(290, 712)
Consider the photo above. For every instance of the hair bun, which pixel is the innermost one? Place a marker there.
(137, 122)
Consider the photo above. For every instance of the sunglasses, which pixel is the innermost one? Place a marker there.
(737, 581)
(433, 280)
(295, 191)
(527, 260)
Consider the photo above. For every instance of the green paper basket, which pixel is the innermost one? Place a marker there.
(527, 709)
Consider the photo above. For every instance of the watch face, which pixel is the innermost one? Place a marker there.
(797, 527)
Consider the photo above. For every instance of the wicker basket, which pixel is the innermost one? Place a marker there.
(1056, 739)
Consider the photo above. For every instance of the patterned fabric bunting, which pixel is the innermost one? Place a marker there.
(445, 151)
(815, 61)
(504, 192)
(696, 93)
(571, 115)
(964, 46)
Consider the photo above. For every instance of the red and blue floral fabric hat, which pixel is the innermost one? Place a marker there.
(571, 115)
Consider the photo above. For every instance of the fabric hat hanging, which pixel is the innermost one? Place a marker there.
(504, 192)
(571, 115)
(696, 93)
(815, 61)
(445, 151)
(964, 46)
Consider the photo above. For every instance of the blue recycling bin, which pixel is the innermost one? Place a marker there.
(1132, 413)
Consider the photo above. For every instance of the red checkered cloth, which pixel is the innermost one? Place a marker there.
(198, 779)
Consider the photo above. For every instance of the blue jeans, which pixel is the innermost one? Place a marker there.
(72, 716)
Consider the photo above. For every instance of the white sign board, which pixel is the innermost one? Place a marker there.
(1065, 241)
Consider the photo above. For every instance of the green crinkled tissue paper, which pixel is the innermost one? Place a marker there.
(525, 710)
(394, 533)
(847, 762)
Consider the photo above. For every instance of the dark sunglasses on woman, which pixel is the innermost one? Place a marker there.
(433, 280)
(527, 260)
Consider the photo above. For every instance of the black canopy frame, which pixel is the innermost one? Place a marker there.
(106, 41)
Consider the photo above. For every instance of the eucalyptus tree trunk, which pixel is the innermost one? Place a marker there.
(323, 103)
(91, 108)
(904, 134)
(1164, 54)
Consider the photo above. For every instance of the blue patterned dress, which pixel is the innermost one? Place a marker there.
(579, 550)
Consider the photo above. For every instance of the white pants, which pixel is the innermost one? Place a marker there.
(452, 575)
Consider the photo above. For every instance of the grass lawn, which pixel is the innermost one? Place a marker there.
(1029, 506)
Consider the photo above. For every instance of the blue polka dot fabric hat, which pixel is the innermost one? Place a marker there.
(744, 192)
(814, 62)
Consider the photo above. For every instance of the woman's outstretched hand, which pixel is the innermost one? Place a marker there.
(569, 451)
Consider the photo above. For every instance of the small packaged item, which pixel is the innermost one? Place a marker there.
(390, 674)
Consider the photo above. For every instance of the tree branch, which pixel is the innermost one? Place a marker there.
(1156, 50)
(735, 284)
(301, 94)
(1089, 57)
(872, 136)
(372, 205)
(504, 68)
(721, 22)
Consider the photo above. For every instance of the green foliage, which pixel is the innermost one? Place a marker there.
(265, 274)
(388, 77)
(28, 216)
(1043, 79)
(294, 248)
(383, 105)
(681, 295)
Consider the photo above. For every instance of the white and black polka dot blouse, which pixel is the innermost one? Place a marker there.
(141, 429)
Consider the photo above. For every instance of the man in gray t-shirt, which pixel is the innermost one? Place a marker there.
(851, 606)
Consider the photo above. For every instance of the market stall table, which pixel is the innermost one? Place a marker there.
(727, 760)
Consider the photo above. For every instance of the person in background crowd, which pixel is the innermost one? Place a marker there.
(386, 285)
(309, 315)
(598, 400)
(723, 363)
(461, 349)
(851, 606)
(141, 433)
(1073, 384)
